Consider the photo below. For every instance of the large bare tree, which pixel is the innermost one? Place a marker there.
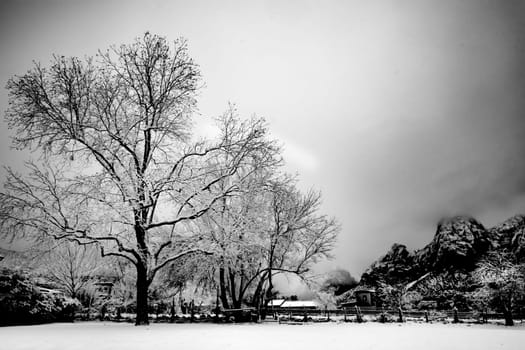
(298, 235)
(119, 167)
(273, 228)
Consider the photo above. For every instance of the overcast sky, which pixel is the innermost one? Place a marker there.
(401, 112)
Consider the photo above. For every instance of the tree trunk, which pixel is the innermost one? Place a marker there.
(269, 295)
(258, 297)
(222, 285)
(507, 314)
(233, 290)
(142, 296)
(142, 265)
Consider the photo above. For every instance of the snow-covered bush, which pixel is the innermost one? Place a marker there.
(21, 301)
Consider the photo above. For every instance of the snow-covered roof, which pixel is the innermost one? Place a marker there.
(299, 303)
(276, 302)
(49, 290)
(359, 289)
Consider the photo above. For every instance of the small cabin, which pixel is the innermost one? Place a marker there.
(361, 296)
(365, 297)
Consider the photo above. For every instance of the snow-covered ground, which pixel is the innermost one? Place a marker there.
(330, 336)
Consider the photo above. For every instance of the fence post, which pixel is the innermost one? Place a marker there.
(400, 314)
(103, 311)
(172, 311)
(344, 313)
(382, 317)
(456, 318)
(217, 306)
(192, 311)
(358, 314)
(426, 316)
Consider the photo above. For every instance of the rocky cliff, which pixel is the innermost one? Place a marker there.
(457, 247)
(458, 244)
(510, 236)
(397, 265)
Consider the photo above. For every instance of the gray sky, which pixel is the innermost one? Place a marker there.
(401, 112)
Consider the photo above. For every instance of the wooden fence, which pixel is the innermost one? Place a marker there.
(299, 315)
(352, 313)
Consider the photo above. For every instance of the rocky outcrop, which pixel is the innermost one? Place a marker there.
(446, 289)
(396, 265)
(510, 236)
(458, 244)
(440, 274)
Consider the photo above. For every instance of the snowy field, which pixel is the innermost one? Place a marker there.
(375, 336)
